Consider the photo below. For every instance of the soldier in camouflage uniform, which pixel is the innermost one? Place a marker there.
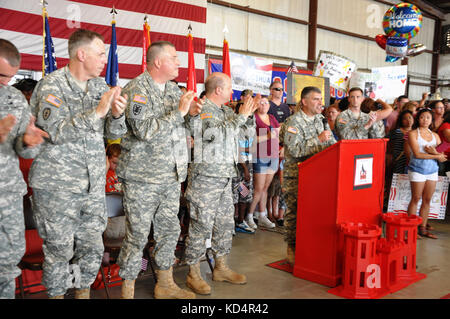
(76, 108)
(302, 135)
(352, 124)
(152, 165)
(18, 136)
(209, 191)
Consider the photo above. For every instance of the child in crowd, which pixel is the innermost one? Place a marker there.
(112, 158)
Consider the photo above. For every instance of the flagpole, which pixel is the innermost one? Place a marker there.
(44, 14)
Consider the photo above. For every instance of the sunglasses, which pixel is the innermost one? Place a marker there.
(277, 89)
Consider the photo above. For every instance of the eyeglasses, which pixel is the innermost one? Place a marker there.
(277, 89)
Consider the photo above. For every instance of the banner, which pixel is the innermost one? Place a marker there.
(337, 68)
(252, 73)
(400, 196)
(246, 73)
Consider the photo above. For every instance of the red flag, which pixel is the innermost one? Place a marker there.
(226, 58)
(191, 78)
(145, 44)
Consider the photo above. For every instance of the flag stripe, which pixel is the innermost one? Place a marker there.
(13, 21)
(70, 13)
(168, 9)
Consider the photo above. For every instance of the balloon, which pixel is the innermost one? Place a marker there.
(415, 49)
(396, 47)
(391, 58)
(380, 39)
(402, 20)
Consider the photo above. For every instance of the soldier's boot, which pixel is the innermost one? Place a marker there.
(166, 288)
(222, 272)
(57, 297)
(127, 289)
(195, 281)
(84, 293)
(290, 254)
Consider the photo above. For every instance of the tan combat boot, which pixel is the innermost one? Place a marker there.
(290, 254)
(127, 289)
(84, 293)
(166, 288)
(195, 281)
(221, 272)
(57, 297)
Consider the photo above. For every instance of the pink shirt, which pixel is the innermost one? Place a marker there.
(264, 149)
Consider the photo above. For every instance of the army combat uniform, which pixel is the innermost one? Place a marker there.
(152, 165)
(12, 189)
(68, 178)
(299, 136)
(215, 130)
(351, 127)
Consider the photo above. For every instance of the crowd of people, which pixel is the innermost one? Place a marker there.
(156, 143)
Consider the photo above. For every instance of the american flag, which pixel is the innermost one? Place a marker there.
(292, 68)
(243, 189)
(21, 23)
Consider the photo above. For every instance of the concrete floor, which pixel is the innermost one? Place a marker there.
(251, 253)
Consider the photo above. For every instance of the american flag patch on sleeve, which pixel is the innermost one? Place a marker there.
(292, 130)
(53, 100)
(206, 116)
(140, 99)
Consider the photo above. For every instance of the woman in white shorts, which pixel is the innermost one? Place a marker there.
(423, 166)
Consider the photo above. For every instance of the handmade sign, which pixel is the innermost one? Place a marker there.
(390, 82)
(400, 196)
(337, 68)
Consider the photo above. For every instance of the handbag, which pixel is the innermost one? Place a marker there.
(112, 277)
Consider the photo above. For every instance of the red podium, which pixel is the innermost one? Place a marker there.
(343, 183)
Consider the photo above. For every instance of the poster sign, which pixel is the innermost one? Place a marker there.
(400, 196)
(297, 82)
(336, 67)
(390, 82)
(363, 171)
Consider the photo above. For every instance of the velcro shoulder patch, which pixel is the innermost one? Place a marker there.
(292, 130)
(342, 121)
(53, 100)
(140, 99)
(206, 116)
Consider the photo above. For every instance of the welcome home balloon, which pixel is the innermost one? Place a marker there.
(402, 20)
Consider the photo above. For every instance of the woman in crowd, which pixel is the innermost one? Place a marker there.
(411, 106)
(438, 110)
(444, 134)
(266, 165)
(331, 113)
(397, 138)
(423, 166)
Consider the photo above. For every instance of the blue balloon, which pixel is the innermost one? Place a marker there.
(404, 20)
(391, 58)
(396, 47)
